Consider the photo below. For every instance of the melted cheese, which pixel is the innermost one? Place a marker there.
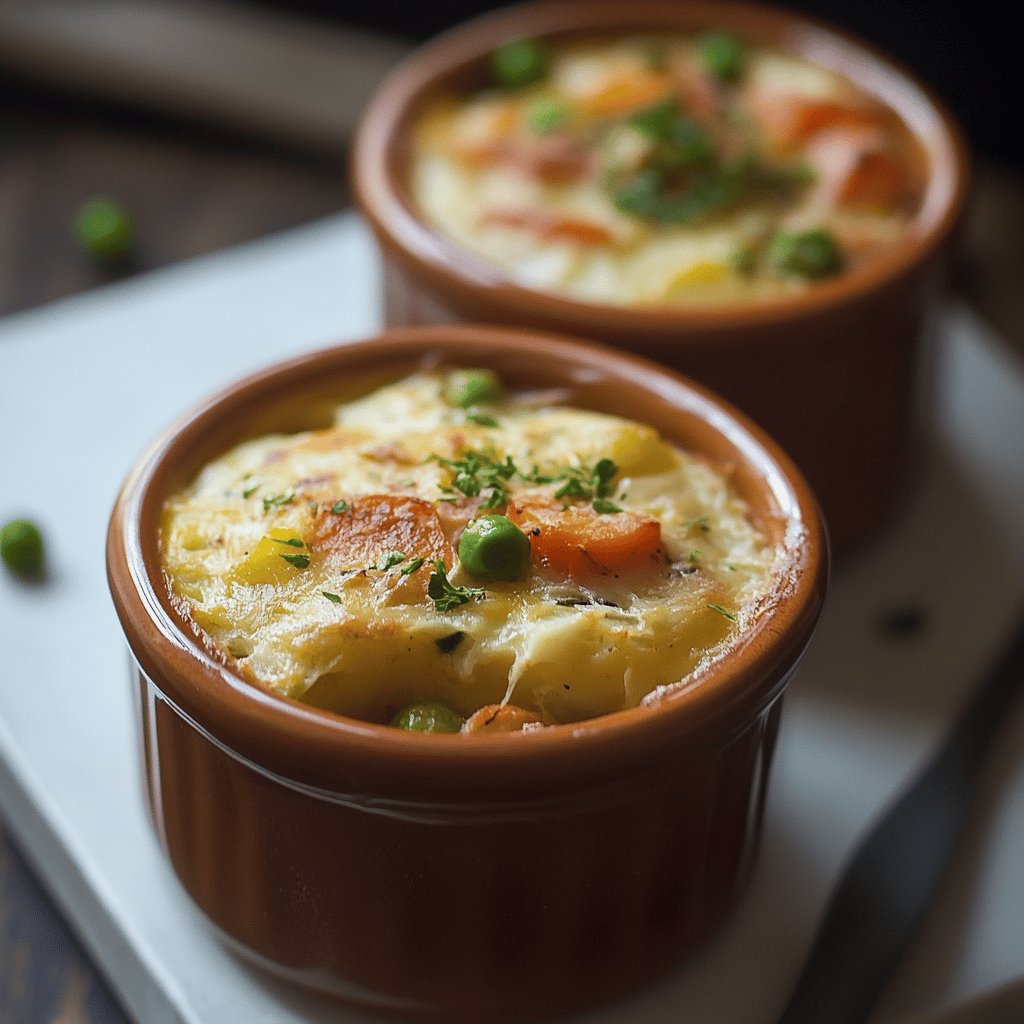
(475, 175)
(250, 554)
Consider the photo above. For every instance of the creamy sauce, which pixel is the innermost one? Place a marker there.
(296, 557)
(630, 173)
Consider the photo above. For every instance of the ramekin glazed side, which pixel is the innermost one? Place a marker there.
(829, 373)
(461, 877)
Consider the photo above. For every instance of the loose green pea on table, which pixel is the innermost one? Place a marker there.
(105, 229)
(21, 547)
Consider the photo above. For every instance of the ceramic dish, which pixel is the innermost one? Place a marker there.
(830, 371)
(468, 876)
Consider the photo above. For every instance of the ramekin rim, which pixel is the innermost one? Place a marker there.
(137, 591)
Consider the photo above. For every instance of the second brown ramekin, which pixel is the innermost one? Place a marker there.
(462, 877)
(830, 373)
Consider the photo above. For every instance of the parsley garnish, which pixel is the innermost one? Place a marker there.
(445, 594)
(693, 556)
(479, 471)
(299, 561)
(333, 598)
(390, 558)
(412, 567)
(339, 506)
(278, 500)
(250, 491)
(723, 611)
(591, 483)
(481, 419)
(292, 542)
(701, 521)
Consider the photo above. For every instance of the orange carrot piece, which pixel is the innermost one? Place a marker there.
(551, 227)
(791, 121)
(500, 718)
(556, 158)
(626, 93)
(377, 523)
(581, 542)
(877, 180)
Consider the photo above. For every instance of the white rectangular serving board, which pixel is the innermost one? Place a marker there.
(87, 382)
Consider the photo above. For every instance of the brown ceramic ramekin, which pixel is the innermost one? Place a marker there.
(830, 373)
(462, 877)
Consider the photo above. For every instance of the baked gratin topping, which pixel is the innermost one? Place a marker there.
(449, 556)
(665, 169)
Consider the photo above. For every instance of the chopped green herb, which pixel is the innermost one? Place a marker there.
(481, 419)
(445, 594)
(606, 507)
(587, 482)
(389, 559)
(250, 491)
(292, 542)
(278, 500)
(333, 598)
(412, 567)
(681, 141)
(299, 561)
(722, 611)
(479, 471)
(312, 506)
(447, 644)
(731, 567)
(701, 521)
(339, 506)
(693, 556)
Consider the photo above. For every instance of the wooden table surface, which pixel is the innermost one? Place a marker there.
(193, 193)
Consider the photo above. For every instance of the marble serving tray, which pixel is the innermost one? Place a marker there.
(88, 381)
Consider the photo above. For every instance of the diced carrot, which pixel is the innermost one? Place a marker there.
(581, 542)
(500, 718)
(556, 159)
(374, 524)
(792, 120)
(627, 92)
(877, 180)
(854, 168)
(551, 227)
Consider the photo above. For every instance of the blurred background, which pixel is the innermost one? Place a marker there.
(218, 121)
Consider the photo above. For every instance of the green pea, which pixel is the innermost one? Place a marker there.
(812, 254)
(21, 547)
(105, 229)
(722, 54)
(466, 388)
(494, 548)
(519, 62)
(428, 716)
(546, 116)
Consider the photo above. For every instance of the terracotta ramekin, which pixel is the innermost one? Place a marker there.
(829, 373)
(462, 877)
